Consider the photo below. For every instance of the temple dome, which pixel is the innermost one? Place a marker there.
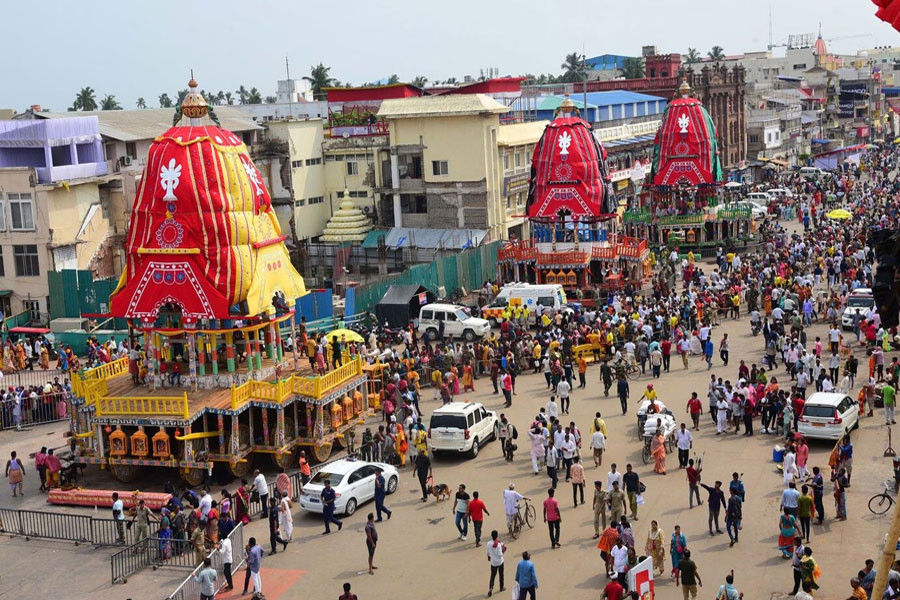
(348, 224)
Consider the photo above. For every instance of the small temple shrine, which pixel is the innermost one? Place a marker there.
(348, 224)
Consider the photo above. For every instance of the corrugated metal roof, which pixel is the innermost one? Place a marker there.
(405, 237)
(517, 134)
(134, 125)
(451, 105)
(619, 97)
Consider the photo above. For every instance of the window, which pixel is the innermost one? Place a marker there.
(413, 204)
(34, 307)
(518, 159)
(352, 168)
(131, 150)
(506, 162)
(296, 164)
(300, 202)
(313, 161)
(2, 267)
(799, 66)
(26, 259)
(427, 315)
(509, 202)
(2, 214)
(354, 194)
(754, 139)
(477, 415)
(439, 167)
(470, 419)
(316, 200)
(21, 212)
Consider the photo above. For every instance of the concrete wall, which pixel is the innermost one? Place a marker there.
(305, 142)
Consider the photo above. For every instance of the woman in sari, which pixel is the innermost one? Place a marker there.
(454, 380)
(45, 358)
(626, 533)
(241, 504)
(676, 549)
(658, 451)
(809, 570)
(654, 547)
(787, 529)
(468, 378)
(212, 523)
(9, 356)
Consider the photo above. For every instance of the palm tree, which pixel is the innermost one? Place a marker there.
(86, 99)
(181, 95)
(165, 101)
(271, 99)
(141, 103)
(633, 68)
(254, 97)
(242, 94)
(573, 67)
(320, 78)
(229, 98)
(451, 81)
(716, 53)
(211, 97)
(109, 102)
(420, 81)
(220, 97)
(693, 56)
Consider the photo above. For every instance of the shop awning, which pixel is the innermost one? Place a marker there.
(5, 293)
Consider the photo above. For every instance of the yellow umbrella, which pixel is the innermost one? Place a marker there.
(839, 214)
(351, 336)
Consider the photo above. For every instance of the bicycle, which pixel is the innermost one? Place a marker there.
(881, 503)
(526, 516)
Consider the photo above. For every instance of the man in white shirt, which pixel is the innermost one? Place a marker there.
(598, 445)
(619, 555)
(613, 477)
(262, 488)
(568, 450)
(562, 390)
(684, 440)
(225, 551)
(510, 504)
(495, 550)
(552, 408)
(205, 505)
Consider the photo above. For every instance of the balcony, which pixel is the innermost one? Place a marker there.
(66, 172)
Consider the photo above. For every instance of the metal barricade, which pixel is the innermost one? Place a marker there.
(44, 408)
(37, 377)
(130, 560)
(112, 532)
(190, 589)
(48, 525)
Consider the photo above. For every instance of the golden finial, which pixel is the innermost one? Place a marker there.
(684, 90)
(194, 104)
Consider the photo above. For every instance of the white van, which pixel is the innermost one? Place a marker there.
(462, 427)
(828, 416)
(780, 193)
(812, 172)
(760, 198)
(457, 322)
(536, 298)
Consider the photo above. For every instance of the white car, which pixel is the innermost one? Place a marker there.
(780, 193)
(828, 415)
(457, 322)
(859, 302)
(462, 427)
(353, 482)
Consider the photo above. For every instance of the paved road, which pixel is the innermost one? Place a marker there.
(420, 556)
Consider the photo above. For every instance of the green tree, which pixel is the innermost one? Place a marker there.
(320, 78)
(181, 95)
(716, 53)
(85, 99)
(393, 79)
(109, 102)
(633, 67)
(573, 67)
(243, 94)
(229, 98)
(693, 56)
(254, 97)
(141, 103)
(220, 97)
(165, 101)
(271, 99)
(420, 81)
(211, 97)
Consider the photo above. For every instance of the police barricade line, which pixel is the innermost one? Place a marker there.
(130, 560)
(45, 408)
(112, 532)
(189, 589)
(54, 526)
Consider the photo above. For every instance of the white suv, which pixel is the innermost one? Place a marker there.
(457, 322)
(462, 427)
(859, 302)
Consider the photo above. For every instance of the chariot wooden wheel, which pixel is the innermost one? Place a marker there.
(322, 451)
(193, 477)
(124, 473)
(241, 469)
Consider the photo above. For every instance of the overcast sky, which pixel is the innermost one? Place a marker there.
(133, 48)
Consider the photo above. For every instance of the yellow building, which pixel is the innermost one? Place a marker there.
(444, 163)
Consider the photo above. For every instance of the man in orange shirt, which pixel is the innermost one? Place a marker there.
(305, 473)
(582, 369)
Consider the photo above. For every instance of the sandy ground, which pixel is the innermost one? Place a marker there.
(420, 556)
